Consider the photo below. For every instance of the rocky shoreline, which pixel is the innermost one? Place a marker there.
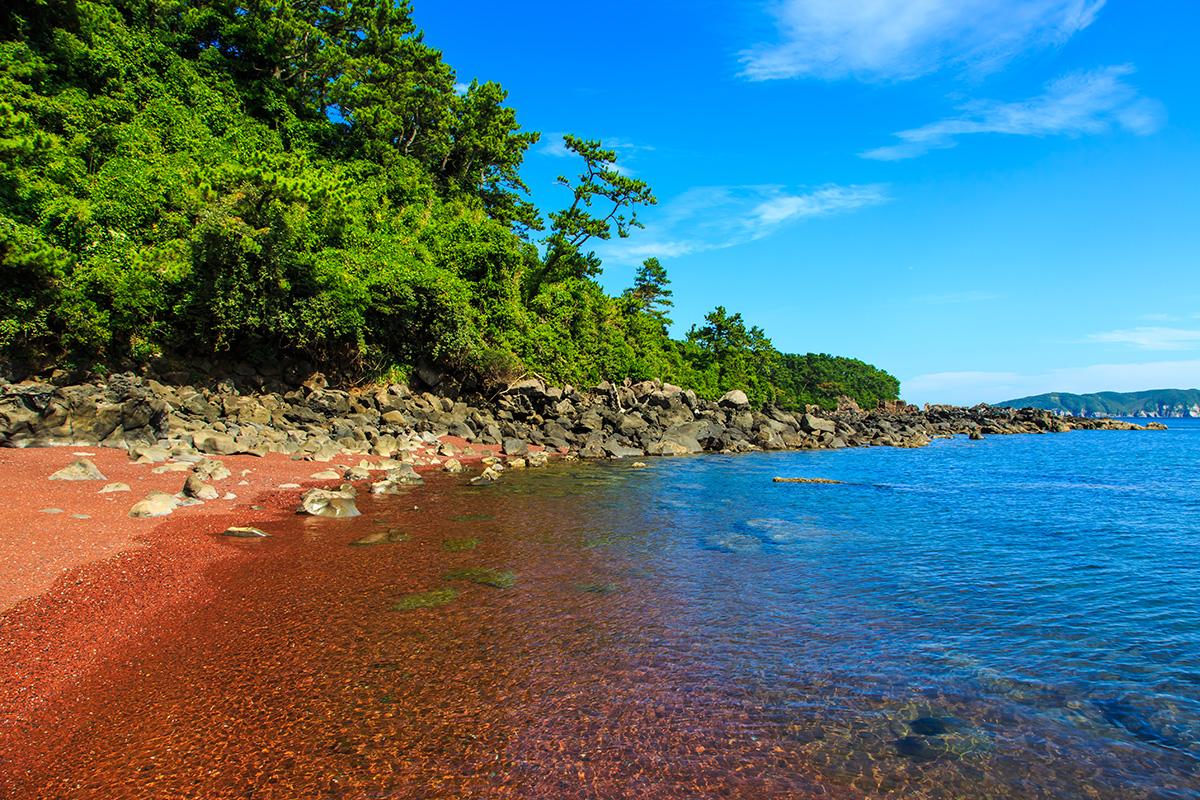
(313, 421)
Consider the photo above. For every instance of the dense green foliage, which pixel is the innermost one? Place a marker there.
(1156, 402)
(281, 177)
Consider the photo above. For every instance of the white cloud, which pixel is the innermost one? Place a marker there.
(1151, 338)
(1088, 102)
(968, 388)
(902, 39)
(718, 217)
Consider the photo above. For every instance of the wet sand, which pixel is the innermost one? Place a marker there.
(200, 666)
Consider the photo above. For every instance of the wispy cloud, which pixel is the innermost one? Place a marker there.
(968, 388)
(556, 147)
(902, 39)
(1089, 102)
(718, 217)
(1151, 338)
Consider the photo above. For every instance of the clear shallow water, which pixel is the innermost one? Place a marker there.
(1037, 598)
(1012, 618)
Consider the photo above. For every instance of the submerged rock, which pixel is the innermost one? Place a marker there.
(733, 543)
(917, 748)
(489, 475)
(805, 480)
(430, 599)
(596, 588)
(931, 726)
(81, 470)
(485, 576)
(388, 536)
(460, 545)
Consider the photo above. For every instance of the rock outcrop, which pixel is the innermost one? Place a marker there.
(312, 421)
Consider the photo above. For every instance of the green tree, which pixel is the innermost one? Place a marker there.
(570, 229)
(268, 178)
(649, 293)
(733, 355)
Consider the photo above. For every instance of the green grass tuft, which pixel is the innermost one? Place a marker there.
(485, 576)
(430, 599)
(460, 545)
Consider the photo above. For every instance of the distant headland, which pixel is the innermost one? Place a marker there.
(1150, 403)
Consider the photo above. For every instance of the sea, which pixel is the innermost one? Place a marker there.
(1017, 617)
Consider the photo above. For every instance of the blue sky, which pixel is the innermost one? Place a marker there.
(988, 198)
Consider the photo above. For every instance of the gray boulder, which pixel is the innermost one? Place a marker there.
(615, 450)
(734, 399)
(156, 504)
(215, 443)
(515, 447)
(81, 470)
(814, 424)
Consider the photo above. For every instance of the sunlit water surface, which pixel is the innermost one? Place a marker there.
(1016, 617)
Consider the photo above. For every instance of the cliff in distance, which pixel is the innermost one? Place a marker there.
(1150, 403)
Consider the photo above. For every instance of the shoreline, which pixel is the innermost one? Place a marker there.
(265, 638)
(80, 587)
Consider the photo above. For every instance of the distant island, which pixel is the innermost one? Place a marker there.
(1150, 403)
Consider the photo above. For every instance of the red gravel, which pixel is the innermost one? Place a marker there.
(208, 668)
(77, 591)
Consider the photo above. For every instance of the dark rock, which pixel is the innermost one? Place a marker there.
(615, 450)
(515, 447)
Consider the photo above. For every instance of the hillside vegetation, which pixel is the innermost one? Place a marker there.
(267, 179)
(1155, 402)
